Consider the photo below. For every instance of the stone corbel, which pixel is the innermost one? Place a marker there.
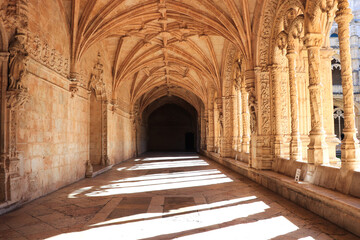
(114, 105)
(73, 88)
(17, 97)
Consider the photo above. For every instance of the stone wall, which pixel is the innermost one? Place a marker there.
(52, 135)
(120, 139)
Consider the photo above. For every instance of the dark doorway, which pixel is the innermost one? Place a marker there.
(190, 141)
(171, 128)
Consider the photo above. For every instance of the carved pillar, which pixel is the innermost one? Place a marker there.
(104, 134)
(295, 143)
(219, 124)
(245, 145)
(317, 149)
(279, 147)
(227, 129)
(4, 57)
(239, 120)
(235, 121)
(350, 157)
(134, 127)
(204, 130)
(328, 110)
(210, 132)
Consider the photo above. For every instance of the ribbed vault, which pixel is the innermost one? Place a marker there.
(163, 44)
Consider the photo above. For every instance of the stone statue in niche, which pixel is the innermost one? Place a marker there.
(18, 62)
(252, 108)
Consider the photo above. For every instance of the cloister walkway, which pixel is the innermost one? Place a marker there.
(166, 196)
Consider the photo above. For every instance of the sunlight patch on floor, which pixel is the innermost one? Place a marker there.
(78, 191)
(169, 158)
(115, 189)
(169, 175)
(169, 164)
(184, 222)
(144, 216)
(262, 229)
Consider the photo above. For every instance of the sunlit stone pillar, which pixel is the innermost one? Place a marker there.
(295, 143)
(317, 149)
(350, 158)
(279, 147)
(245, 120)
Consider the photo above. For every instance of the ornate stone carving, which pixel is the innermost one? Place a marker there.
(245, 120)
(318, 150)
(14, 14)
(96, 80)
(42, 53)
(17, 62)
(16, 98)
(253, 112)
(269, 16)
(265, 102)
(73, 88)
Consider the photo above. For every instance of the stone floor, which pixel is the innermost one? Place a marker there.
(166, 196)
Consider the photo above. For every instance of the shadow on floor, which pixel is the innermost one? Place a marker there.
(166, 196)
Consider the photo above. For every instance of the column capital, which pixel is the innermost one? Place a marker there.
(313, 40)
(250, 79)
(291, 53)
(327, 53)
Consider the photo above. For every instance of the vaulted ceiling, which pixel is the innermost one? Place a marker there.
(162, 47)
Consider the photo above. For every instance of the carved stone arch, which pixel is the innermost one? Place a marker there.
(319, 15)
(278, 25)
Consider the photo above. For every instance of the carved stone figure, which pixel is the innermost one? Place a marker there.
(18, 62)
(252, 107)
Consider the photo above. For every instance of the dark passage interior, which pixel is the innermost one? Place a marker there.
(171, 128)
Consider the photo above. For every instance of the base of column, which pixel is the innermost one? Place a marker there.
(318, 155)
(350, 152)
(318, 150)
(295, 148)
(245, 145)
(280, 150)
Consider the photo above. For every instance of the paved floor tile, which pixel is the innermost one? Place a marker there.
(166, 196)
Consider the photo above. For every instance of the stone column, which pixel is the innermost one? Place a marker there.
(276, 71)
(317, 149)
(210, 132)
(245, 146)
(227, 127)
(235, 123)
(204, 120)
(220, 124)
(239, 120)
(328, 108)
(350, 157)
(4, 58)
(295, 143)
(105, 161)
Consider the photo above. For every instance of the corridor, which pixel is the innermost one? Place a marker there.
(166, 196)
